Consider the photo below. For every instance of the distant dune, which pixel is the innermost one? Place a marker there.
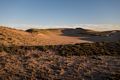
(10, 36)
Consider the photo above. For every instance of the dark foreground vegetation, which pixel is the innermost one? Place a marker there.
(87, 61)
(98, 48)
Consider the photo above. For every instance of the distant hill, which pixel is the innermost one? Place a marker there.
(75, 32)
(10, 36)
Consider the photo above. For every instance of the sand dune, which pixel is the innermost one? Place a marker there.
(10, 36)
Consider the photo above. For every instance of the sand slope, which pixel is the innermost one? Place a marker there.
(9, 36)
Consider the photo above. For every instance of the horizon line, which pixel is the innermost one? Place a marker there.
(97, 27)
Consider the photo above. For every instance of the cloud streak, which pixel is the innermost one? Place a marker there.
(97, 27)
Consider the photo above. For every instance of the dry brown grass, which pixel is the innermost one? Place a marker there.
(49, 62)
(33, 65)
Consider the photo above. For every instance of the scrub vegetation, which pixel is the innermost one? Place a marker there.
(88, 61)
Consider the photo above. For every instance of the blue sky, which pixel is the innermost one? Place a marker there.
(59, 12)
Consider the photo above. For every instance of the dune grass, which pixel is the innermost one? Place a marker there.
(93, 61)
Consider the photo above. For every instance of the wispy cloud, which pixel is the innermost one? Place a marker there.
(98, 27)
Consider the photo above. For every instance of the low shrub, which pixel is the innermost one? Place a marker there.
(101, 48)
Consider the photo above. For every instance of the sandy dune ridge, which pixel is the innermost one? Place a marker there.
(11, 36)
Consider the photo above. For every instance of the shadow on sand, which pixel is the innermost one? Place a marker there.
(89, 35)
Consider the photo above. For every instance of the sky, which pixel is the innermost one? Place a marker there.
(59, 12)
